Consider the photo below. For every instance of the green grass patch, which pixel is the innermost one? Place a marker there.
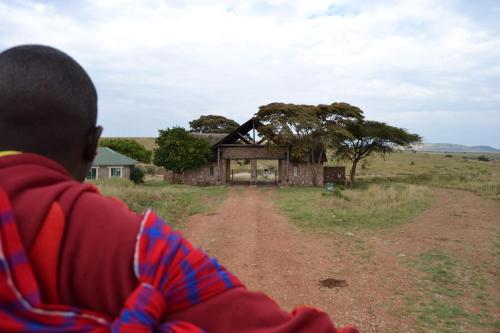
(443, 302)
(175, 203)
(439, 271)
(362, 206)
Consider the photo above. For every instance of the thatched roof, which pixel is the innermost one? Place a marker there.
(212, 138)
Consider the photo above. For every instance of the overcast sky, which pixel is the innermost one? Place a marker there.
(432, 67)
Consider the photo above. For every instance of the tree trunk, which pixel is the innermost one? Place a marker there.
(353, 170)
(312, 169)
(317, 167)
(313, 172)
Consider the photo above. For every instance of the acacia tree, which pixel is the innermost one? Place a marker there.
(178, 150)
(128, 147)
(308, 129)
(371, 137)
(213, 124)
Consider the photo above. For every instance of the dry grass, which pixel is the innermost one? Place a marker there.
(367, 206)
(460, 171)
(175, 203)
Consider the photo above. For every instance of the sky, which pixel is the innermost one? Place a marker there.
(432, 67)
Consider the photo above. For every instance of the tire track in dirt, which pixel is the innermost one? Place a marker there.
(250, 237)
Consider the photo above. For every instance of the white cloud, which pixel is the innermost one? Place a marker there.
(172, 61)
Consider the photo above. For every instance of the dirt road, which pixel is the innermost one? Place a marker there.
(250, 237)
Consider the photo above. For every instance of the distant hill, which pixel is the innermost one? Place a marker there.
(454, 148)
(147, 142)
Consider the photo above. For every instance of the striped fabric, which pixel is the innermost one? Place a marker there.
(172, 276)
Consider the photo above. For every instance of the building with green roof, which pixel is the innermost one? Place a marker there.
(110, 164)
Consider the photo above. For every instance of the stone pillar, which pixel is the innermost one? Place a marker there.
(253, 172)
(228, 170)
(219, 170)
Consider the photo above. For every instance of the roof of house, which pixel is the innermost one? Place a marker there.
(107, 156)
(211, 138)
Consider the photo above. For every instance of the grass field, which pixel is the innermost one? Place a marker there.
(460, 171)
(391, 190)
(175, 203)
(365, 206)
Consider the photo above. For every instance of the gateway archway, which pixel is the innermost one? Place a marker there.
(242, 145)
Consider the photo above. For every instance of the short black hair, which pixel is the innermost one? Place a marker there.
(47, 100)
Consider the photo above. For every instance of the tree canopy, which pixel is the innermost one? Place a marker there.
(178, 150)
(128, 147)
(213, 124)
(371, 137)
(308, 129)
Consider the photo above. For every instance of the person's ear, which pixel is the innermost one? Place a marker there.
(92, 142)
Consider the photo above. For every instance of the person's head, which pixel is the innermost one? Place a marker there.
(48, 106)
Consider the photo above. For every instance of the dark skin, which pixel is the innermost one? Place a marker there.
(48, 106)
(79, 167)
(77, 164)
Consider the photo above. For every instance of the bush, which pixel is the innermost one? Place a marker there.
(137, 175)
(483, 158)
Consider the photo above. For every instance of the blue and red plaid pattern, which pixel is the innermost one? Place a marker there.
(172, 274)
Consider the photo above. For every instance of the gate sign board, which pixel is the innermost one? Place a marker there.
(329, 187)
(334, 175)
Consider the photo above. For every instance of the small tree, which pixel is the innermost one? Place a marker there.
(213, 124)
(128, 147)
(371, 137)
(137, 175)
(178, 150)
(308, 129)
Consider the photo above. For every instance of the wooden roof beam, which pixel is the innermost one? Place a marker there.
(245, 139)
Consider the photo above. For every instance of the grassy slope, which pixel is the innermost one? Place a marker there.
(148, 142)
(175, 203)
(460, 171)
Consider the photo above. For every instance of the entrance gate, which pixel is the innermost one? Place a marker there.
(241, 145)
